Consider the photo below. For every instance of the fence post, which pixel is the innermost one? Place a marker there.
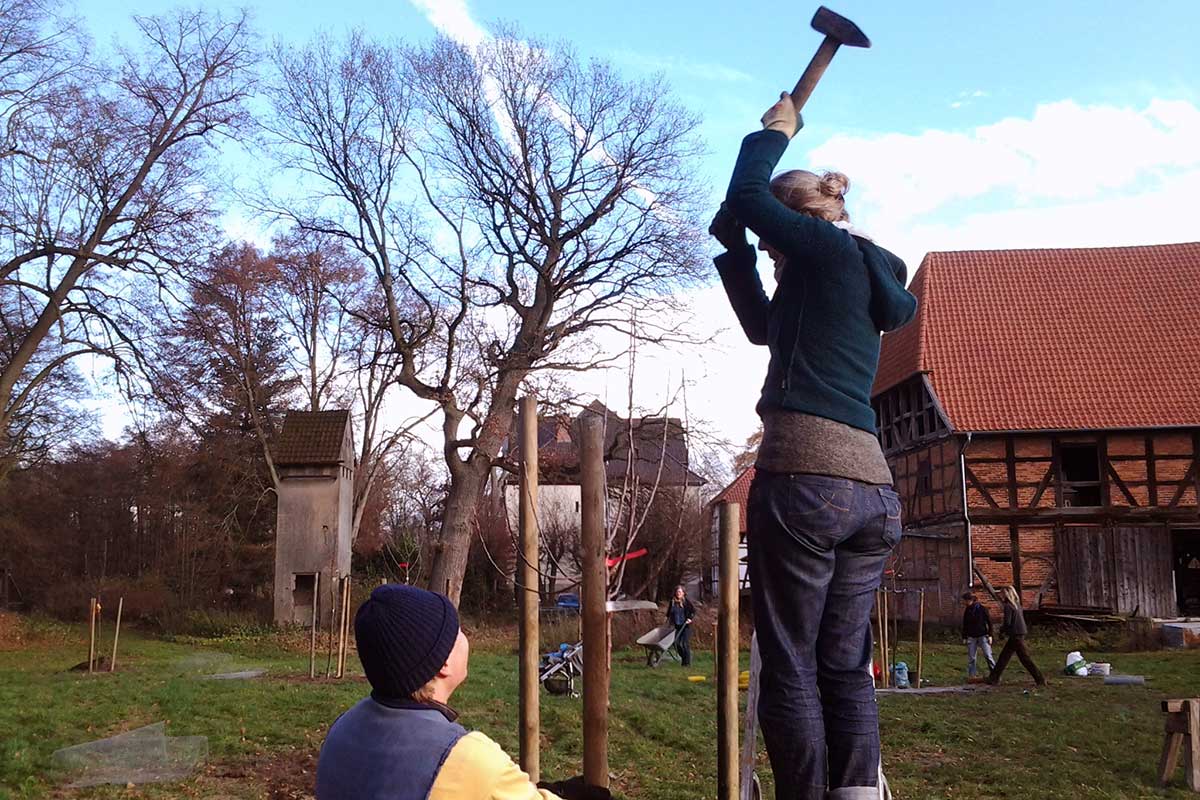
(593, 486)
(530, 598)
(727, 651)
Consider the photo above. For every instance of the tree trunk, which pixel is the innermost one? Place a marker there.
(454, 544)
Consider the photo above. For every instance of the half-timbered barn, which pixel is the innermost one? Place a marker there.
(1057, 392)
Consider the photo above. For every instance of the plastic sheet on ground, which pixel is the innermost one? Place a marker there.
(143, 755)
(243, 675)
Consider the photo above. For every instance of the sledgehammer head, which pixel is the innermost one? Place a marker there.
(839, 28)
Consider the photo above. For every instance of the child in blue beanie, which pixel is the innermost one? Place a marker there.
(403, 742)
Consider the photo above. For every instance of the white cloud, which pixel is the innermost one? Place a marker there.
(682, 67)
(452, 18)
(1069, 175)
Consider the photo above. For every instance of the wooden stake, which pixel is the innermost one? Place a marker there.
(91, 636)
(530, 597)
(594, 485)
(920, 638)
(750, 726)
(344, 633)
(887, 640)
(895, 639)
(112, 662)
(727, 648)
(312, 634)
(334, 603)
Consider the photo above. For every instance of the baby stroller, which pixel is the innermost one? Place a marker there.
(560, 668)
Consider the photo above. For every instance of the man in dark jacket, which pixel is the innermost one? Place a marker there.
(977, 633)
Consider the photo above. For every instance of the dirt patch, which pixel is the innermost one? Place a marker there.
(12, 631)
(290, 775)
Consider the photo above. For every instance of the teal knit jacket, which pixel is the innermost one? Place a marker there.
(836, 294)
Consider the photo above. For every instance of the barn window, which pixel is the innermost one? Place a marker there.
(924, 478)
(1080, 475)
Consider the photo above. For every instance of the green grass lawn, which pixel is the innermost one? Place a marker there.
(1078, 739)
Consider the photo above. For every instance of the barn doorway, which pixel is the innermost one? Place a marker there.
(1186, 545)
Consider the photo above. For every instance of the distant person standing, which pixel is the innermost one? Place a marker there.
(977, 633)
(680, 614)
(1015, 628)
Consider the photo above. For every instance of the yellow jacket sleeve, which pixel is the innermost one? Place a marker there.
(477, 769)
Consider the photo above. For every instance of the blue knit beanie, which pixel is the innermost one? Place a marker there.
(404, 636)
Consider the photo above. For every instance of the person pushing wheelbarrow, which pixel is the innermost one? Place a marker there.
(680, 613)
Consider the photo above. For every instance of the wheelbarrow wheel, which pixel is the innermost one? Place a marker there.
(755, 788)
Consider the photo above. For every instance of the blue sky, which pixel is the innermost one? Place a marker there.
(966, 125)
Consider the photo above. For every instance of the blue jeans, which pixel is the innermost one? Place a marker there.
(975, 644)
(817, 549)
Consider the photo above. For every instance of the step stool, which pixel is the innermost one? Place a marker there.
(1182, 733)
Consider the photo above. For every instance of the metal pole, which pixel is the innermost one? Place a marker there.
(112, 662)
(530, 598)
(727, 652)
(920, 637)
(312, 636)
(595, 594)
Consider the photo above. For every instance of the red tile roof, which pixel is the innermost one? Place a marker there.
(1079, 339)
(736, 492)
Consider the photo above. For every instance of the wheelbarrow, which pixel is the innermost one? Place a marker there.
(657, 642)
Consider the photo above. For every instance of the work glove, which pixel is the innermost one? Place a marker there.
(783, 116)
(575, 789)
(727, 230)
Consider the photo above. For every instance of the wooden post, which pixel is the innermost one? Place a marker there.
(920, 638)
(334, 604)
(883, 624)
(593, 487)
(727, 651)
(312, 634)
(530, 597)
(750, 726)
(91, 635)
(112, 662)
(894, 637)
(344, 633)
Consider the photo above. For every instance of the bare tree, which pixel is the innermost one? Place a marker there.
(513, 201)
(317, 281)
(102, 205)
(40, 52)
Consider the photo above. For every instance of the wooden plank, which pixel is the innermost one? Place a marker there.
(1111, 479)
(1151, 483)
(973, 481)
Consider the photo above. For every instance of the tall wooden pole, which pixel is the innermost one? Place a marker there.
(92, 635)
(595, 595)
(312, 635)
(920, 638)
(887, 669)
(112, 662)
(530, 598)
(344, 633)
(727, 654)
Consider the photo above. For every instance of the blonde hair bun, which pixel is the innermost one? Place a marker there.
(834, 184)
(820, 196)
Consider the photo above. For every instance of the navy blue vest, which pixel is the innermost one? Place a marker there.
(374, 752)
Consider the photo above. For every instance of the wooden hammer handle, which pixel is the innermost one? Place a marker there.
(814, 71)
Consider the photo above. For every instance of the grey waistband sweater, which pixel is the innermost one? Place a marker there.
(795, 442)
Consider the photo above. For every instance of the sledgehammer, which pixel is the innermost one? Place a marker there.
(838, 31)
